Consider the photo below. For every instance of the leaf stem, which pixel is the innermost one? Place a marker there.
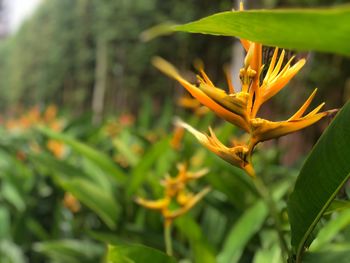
(167, 238)
(265, 194)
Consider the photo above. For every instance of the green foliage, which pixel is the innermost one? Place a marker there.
(136, 253)
(323, 174)
(246, 227)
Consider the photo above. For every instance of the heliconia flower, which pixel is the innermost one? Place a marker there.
(263, 130)
(230, 107)
(236, 155)
(177, 200)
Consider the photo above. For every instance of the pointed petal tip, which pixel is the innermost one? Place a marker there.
(249, 170)
(165, 67)
(300, 63)
(332, 112)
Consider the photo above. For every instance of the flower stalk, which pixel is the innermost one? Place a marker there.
(167, 238)
(264, 193)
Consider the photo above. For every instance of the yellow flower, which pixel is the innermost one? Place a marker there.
(176, 140)
(71, 203)
(175, 193)
(237, 155)
(57, 148)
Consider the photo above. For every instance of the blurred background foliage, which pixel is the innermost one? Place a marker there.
(67, 186)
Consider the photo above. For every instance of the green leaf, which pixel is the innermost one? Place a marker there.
(246, 227)
(337, 206)
(97, 199)
(324, 172)
(339, 253)
(248, 224)
(141, 169)
(11, 252)
(136, 254)
(270, 251)
(70, 251)
(123, 147)
(301, 29)
(330, 230)
(99, 158)
(11, 194)
(203, 252)
(5, 224)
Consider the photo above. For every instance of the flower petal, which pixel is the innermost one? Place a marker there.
(272, 88)
(203, 98)
(191, 202)
(234, 155)
(153, 204)
(263, 130)
(303, 108)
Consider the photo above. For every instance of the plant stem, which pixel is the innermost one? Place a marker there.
(167, 238)
(265, 194)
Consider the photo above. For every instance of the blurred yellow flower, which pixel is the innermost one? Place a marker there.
(57, 148)
(176, 140)
(176, 194)
(71, 203)
(192, 104)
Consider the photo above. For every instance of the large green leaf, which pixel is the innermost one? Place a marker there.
(136, 254)
(324, 172)
(302, 29)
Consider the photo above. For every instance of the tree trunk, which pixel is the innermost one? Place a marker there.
(98, 98)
